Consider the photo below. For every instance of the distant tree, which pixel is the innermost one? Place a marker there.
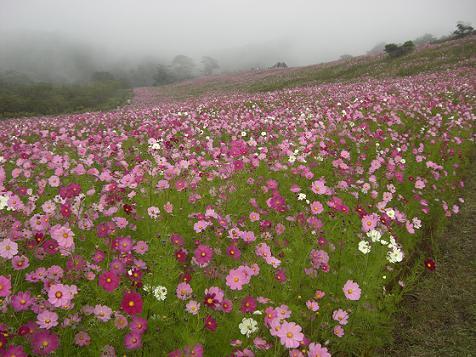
(280, 65)
(209, 64)
(346, 57)
(164, 75)
(183, 66)
(102, 76)
(394, 50)
(463, 30)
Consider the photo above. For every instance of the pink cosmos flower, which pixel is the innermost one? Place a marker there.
(351, 290)
(8, 249)
(316, 207)
(102, 312)
(369, 222)
(192, 307)
(338, 331)
(21, 301)
(254, 216)
(290, 334)
(316, 350)
(184, 291)
(340, 316)
(47, 319)
(20, 262)
(319, 187)
(235, 279)
(82, 339)
(59, 295)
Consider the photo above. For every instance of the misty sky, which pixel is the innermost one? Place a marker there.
(298, 31)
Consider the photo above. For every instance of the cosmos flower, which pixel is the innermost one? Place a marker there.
(290, 334)
(351, 290)
(131, 303)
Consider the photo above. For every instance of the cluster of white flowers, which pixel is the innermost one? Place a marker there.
(248, 326)
(154, 144)
(395, 253)
(4, 202)
(292, 159)
(159, 292)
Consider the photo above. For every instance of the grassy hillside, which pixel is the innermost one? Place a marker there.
(436, 57)
(32, 99)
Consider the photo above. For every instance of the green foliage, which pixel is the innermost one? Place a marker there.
(47, 99)
(463, 30)
(394, 50)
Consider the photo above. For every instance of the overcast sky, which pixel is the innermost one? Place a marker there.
(299, 31)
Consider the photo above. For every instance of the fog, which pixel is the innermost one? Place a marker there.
(61, 40)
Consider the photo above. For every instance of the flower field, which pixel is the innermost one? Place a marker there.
(268, 224)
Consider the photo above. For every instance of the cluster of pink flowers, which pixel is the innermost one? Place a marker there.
(161, 227)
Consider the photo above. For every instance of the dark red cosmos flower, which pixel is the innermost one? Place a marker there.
(248, 304)
(132, 303)
(127, 208)
(430, 264)
(109, 281)
(185, 277)
(210, 300)
(210, 323)
(181, 255)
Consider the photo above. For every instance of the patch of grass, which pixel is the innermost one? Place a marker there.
(20, 100)
(438, 314)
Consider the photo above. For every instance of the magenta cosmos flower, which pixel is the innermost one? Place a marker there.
(109, 281)
(351, 290)
(203, 254)
(44, 342)
(132, 341)
(5, 286)
(14, 351)
(132, 303)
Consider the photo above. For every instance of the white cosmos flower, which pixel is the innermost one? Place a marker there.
(391, 213)
(3, 202)
(395, 255)
(292, 159)
(160, 293)
(364, 247)
(374, 235)
(301, 196)
(248, 326)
